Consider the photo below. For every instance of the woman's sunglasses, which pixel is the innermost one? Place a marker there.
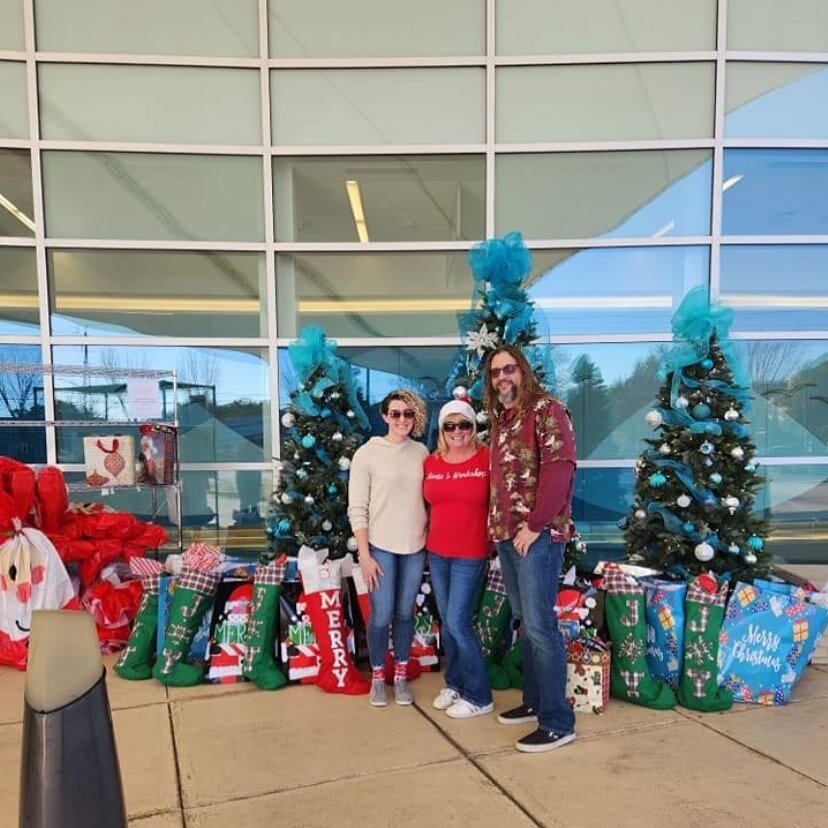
(463, 425)
(506, 369)
(395, 414)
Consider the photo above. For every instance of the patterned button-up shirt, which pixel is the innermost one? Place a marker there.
(525, 449)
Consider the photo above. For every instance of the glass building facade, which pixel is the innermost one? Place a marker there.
(185, 185)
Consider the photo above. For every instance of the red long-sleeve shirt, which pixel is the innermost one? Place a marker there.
(458, 497)
(532, 471)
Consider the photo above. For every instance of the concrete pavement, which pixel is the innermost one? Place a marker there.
(232, 755)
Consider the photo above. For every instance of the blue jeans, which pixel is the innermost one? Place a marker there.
(393, 600)
(532, 586)
(456, 582)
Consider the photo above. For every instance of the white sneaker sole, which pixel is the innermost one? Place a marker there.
(378, 703)
(564, 740)
(467, 714)
(404, 702)
(439, 704)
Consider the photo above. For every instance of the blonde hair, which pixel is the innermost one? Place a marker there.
(442, 444)
(413, 401)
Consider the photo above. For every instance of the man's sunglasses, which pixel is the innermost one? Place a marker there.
(463, 425)
(506, 369)
(395, 414)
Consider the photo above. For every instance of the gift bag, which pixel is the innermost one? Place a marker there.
(425, 647)
(227, 644)
(109, 461)
(156, 454)
(588, 675)
(664, 611)
(299, 655)
(765, 643)
(200, 648)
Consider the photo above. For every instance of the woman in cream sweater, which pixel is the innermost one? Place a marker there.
(388, 518)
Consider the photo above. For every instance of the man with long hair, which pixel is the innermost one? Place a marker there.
(532, 474)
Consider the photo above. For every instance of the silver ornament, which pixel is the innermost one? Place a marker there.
(350, 414)
(640, 514)
(732, 503)
(683, 501)
(704, 552)
(481, 417)
(344, 463)
(310, 500)
(664, 448)
(731, 414)
(288, 419)
(460, 391)
(352, 544)
(327, 526)
(750, 558)
(733, 549)
(654, 418)
(682, 402)
(737, 452)
(336, 436)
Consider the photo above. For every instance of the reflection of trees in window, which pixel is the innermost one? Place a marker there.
(629, 394)
(588, 403)
(19, 392)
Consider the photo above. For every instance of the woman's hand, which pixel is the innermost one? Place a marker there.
(370, 571)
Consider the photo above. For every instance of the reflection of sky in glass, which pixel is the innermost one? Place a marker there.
(626, 290)
(775, 192)
(793, 110)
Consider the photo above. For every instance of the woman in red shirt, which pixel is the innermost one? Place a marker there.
(456, 488)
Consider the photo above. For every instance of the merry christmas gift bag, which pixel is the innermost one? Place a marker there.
(588, 675)
(765, 643)
(630, 677)
(109, 461)
(665, 628)
(228, 628)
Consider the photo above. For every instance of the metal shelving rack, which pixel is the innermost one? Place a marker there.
(112, 374)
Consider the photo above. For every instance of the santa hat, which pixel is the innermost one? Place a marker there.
(460, 406)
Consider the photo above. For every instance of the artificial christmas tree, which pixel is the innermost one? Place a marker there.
(322, 428)
(697, 481)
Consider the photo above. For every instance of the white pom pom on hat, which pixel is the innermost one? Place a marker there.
(461, 407)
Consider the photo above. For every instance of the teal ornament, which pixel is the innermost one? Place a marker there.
(332, 489)
(283, 526)
(701, 411)
(624, 523)
(657, 480)
(707, 447)
(755, 542)
(301, 474)
(688, 527)
(715, 478)
(750, 467)
(707, 364)
(733, 549)
(325, 412)
(309, 441)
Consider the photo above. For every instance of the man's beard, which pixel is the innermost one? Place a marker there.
(508, 395)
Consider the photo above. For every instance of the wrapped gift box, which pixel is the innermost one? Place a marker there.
(109, 461)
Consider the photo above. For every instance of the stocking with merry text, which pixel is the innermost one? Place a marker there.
(323, 598)
(630, 677)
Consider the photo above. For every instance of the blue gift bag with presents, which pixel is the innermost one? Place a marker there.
(765, 643)
(664, 612)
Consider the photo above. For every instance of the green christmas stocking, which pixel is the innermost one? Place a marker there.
(193, 593)
(259, 663)
(704, 612)
(134, 662)
(630, 677)
(491, 623)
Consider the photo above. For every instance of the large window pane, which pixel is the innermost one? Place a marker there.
(601, 497)
(11, 25)
(555, 27)
(144, 103)
(18, 292)
(14, 109)
(16, 202)
(377, 106)
(373, 294)
(224, 508)
(611, 291)
(220, 28)
(775, 192)
(21, 398)
(143, 196)
(776, 100)
(376, 28)
(789, 415)
(399, 198)
(776, 287)
(768, 25)
(180, 293)
(794, 500)
(605, 103)
(222, 400)
(617, 194)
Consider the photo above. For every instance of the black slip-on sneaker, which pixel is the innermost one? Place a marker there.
(543, 739)
(518, 716)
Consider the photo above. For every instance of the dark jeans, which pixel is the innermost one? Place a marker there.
(532, 586)
(393, 600)
(456, 582)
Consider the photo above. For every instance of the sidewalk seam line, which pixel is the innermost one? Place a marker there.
(175, 762)
(470, 758)
(758, 752)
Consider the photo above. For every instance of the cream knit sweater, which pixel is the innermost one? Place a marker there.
(385, 494)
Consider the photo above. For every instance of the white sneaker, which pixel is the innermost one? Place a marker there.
(445, 699)
(463, 709)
